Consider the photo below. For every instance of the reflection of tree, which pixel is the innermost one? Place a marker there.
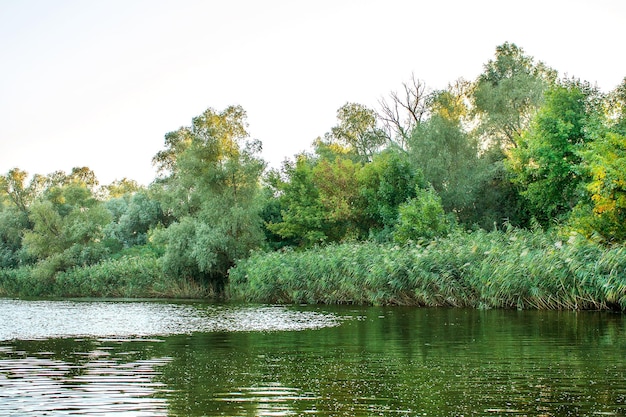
(438, 361)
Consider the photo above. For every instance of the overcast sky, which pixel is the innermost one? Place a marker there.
(99, 83)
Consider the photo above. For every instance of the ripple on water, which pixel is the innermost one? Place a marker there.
(32, 386)
(46, 319)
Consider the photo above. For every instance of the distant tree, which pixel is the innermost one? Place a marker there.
(603, 216)
(303, 216)
(13, 224)
(21, 194)
(357, 131)
(387, 182)
(421, 218)
(133, 215)
(616, 108)
(405, 110)
(447, 155)
(119, 188)
(68, 223)
(508, 93)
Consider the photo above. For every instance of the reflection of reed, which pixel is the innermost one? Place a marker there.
(35, 386)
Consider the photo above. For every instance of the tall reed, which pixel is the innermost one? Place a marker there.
(509, 269)
(127, 276)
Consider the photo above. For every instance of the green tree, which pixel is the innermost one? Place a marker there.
(13, 224)
(447, 155)
(548, 162)
(123, 187)
(508, 93)
(357, 131)
(387, 182)
(133, 215)
(21, 194)
(66, 216)
(210, 187)
(604, 216)
(616, 108)
(303, 217)
(421, 218)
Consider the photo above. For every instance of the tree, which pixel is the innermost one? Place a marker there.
(13, 224)
(133, 215)
(303, 217)
(68, 225)
(357, 131)
(387, 182)
(508, 93)
(13, 185)
(120, 188)
(405, 110)
(604, 216)
(210, 188)
(616, 108)
(548, 162)
(447, 155)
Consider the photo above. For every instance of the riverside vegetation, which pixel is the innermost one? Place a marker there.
(508, 191)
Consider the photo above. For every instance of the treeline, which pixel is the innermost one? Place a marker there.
(516, 149)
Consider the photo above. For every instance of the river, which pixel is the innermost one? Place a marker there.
(162, 358)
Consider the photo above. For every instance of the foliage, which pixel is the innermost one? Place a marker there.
(508, 92)
(605, 216)
(548, 162)
(447, 155)
(126, 276)
(302, 213)
(357, 131)
(515, 148)
(13, 224)
(69, 215)
(421, 218)
(132, 217)
(211, 191)
(387, 182)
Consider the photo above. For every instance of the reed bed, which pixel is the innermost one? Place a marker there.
(509, 269)
(128, 277)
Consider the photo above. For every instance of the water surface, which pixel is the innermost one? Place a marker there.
(196, 359)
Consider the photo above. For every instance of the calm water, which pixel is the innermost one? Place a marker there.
(196, 359)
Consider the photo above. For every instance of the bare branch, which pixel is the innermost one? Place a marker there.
(405, 110)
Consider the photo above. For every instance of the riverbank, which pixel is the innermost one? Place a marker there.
(513, 269)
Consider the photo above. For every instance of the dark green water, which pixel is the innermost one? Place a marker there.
(194, 359)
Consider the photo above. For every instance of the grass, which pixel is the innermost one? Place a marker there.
(510, 269)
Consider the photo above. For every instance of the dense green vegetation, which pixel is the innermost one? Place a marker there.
(506, 191)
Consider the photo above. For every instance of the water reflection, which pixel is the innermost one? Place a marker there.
(363, 362)
(45, 319)
(66, 377)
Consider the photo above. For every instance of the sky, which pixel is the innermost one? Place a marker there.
(99, 83)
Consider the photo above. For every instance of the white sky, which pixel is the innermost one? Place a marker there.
(99, 83)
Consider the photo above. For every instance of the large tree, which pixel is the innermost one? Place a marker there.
(548, 162)
(508, 93)
(447, 154)
(209, 185)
